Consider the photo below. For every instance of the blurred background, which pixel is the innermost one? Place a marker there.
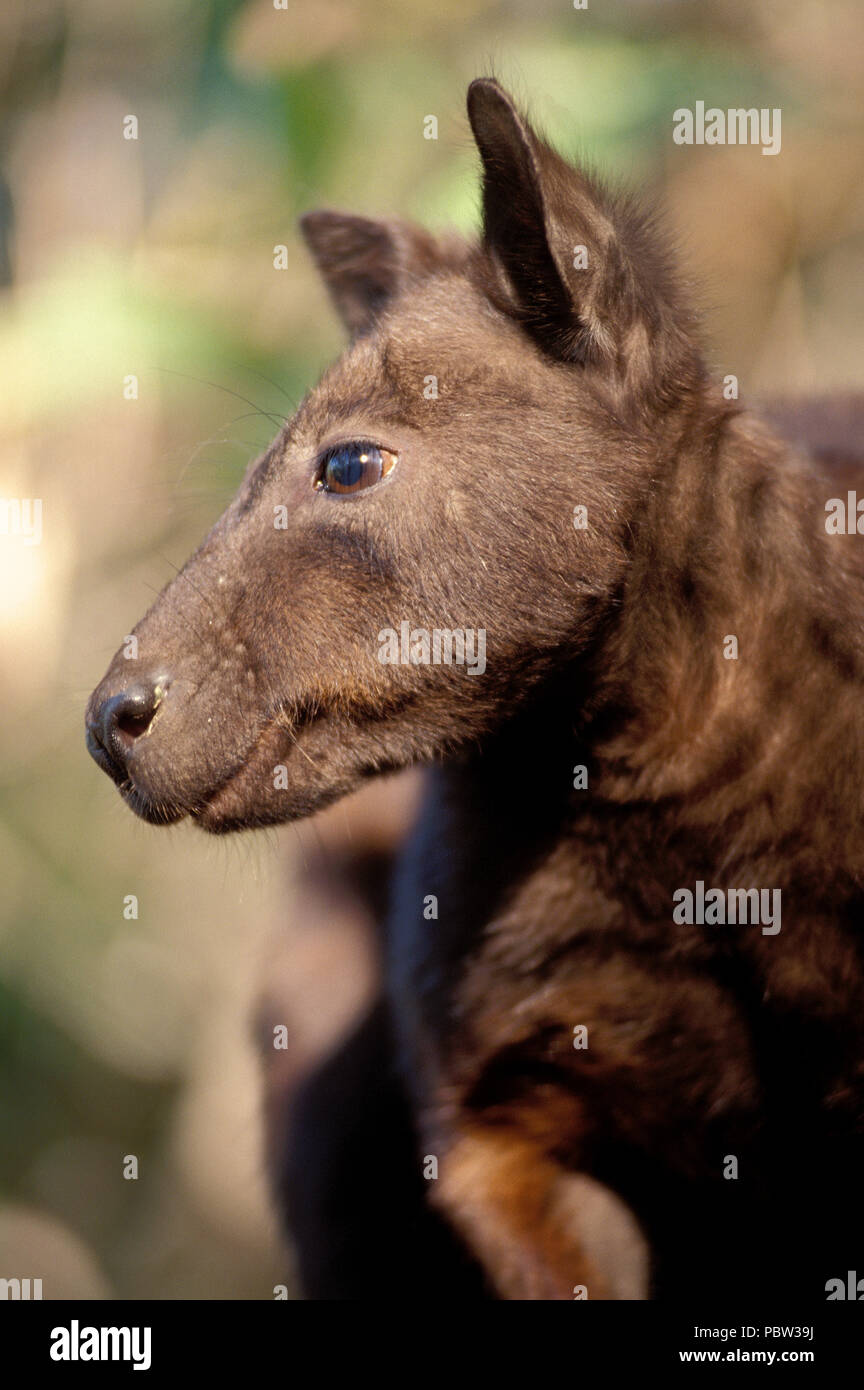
(153, 258)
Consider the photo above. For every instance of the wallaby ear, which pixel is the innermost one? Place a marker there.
(364, 263)
(584, 274)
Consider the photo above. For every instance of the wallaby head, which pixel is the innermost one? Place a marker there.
(420, 505)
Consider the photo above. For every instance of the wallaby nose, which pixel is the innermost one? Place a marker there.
(117, 722)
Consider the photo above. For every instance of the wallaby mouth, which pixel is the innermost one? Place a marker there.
(225, 807)
(182, 771)
(155, 812)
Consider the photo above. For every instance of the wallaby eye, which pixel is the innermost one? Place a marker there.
(354, 466)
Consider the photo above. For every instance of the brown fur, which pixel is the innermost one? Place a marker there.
(557, 387)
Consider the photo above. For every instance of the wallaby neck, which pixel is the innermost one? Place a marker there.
(722, 690)
(729, 686)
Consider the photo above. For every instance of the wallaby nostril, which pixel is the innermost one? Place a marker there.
(132, 725)
(124, 718)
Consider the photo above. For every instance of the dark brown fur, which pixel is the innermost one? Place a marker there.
(557, 387)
